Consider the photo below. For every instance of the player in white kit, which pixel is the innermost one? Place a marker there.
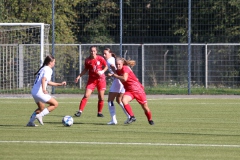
(116, 89)
(40, 94)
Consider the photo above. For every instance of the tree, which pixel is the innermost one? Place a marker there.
(40, 11)
(96, 21)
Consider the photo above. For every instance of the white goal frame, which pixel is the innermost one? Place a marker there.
(41, 37)
(17, 83)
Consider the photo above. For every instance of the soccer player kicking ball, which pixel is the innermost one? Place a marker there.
(133, 90)
(40, 94)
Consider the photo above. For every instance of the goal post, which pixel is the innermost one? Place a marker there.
(31, 24)
(22, 50)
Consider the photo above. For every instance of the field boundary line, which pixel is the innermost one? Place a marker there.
(121, 143)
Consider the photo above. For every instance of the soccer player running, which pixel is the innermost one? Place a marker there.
(95, 65)
(116, 90)
(133, 89)
(40, 94)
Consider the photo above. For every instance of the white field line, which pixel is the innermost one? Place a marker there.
(15, 102)
(120, 143)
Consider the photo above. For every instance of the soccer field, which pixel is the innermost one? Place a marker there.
(185, 128)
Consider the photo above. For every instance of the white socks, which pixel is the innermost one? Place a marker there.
(128, 116)
(44, 112)
(112, 111)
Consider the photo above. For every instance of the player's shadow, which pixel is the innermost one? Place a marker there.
(10, 125)
(76, 123)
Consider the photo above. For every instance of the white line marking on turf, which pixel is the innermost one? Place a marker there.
(116, 143)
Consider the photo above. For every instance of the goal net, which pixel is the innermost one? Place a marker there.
(22, 51)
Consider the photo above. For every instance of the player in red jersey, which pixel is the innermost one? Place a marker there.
(95, 65)
(133, 89)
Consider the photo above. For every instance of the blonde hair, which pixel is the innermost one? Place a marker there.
(128, 62)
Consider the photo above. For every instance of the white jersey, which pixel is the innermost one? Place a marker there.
(110, 62)
(46, 72)
(117, 86)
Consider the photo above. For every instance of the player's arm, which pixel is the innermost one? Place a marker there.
(57, 84)
(105, 67)
(81, 74)
(123, 78)
(112, 66)
(44, 79)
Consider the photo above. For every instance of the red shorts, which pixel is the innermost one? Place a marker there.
(141, 98)
(99, 83)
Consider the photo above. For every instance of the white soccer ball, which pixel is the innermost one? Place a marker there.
(67, 121)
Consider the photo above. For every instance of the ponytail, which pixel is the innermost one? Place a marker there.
(129, 62)
(47, 60)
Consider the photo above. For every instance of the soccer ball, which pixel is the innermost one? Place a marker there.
(67, 121)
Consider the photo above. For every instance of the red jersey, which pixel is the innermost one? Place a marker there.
(131, 84)
(95, 65)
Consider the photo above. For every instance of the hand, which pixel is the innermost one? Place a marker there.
(76, 80)
(64, 83)
(45, 91)
(100, 73)
(110, 74)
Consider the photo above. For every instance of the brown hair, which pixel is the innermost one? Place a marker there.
(110, 51)
(129, 62)
(93, 47)
(47, 60)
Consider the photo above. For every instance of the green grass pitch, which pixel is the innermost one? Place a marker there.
(192, 129)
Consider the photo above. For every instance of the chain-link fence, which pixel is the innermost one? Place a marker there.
(213, 65)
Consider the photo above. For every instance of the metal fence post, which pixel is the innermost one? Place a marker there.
(143, 65)
(80, 64)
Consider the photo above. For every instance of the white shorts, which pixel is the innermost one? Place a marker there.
(41, 97)
(117, 86)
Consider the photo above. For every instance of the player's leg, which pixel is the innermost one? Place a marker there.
(119, 101)
(142, 100)
(111, 107)
(91, 84)
(83, 102)
(127, 97)
(44, 98)
(101, 87)
(53, 104)
(100, 102)
(33, 116)
(40, 99)
(147, 113)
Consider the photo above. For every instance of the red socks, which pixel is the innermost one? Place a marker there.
(128, 109)
(100, 106)
(83, 104)
(149, 115)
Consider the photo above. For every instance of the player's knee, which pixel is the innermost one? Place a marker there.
(55, 104)
(118, 101)
(124, 101)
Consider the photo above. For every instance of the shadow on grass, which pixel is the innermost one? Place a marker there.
(76, 123)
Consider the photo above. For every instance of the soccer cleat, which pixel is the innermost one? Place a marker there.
(131, 119)
(31, 124)
(78, 114)
(39, 118)
(112, 123)
(126, 121)
(100, 115)
(151, 122)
